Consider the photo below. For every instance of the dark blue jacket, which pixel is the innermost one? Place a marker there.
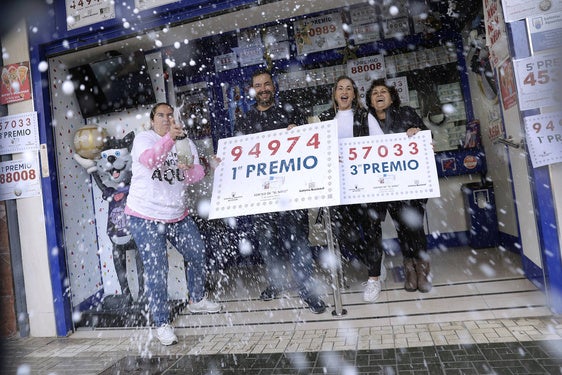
(400, 119)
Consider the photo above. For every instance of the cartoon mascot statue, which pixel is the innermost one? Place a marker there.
(110, 167)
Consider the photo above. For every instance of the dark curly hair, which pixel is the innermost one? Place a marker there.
(259, 72)
(391, 90)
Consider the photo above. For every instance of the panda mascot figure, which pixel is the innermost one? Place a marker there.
(111, 171)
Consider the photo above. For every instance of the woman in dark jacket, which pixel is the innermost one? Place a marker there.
(383, 103)
(352, 121)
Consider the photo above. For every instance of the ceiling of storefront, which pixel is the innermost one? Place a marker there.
(463, 12)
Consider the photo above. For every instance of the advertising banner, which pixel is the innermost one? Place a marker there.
(16, 85)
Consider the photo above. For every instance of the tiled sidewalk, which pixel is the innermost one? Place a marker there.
(504, 346)
(535, 357)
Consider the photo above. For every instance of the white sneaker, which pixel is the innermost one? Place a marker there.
(372, 290)
(166, 335)
(204, 306)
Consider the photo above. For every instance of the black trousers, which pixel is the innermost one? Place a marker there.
(358, 229)
(407, 217)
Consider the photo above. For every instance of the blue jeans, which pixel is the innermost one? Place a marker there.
(150, 237)
(283, 235)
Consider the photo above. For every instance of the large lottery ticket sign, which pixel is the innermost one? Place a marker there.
(277, 170)
(388, 168)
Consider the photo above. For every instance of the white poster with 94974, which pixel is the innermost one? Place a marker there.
(388, 167)
(277, 170)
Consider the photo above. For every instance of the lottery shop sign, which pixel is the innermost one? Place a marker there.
(387, 168)
(277, 170)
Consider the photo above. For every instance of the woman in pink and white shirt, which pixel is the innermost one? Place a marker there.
(158, 213)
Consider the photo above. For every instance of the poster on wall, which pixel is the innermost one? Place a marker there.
(319, 33)
(495, 127)
(20, 178)
(395, 27)
(538, 81)
(279, 51)
(16, 85)
(364, 70)
(514, 10)
(365, 26)
(395, 22)
(226, 62)
(544, 138)
(82, 13)
(277, 170)
(249, 55)
(401, 85)
(496, 37)
(545, 31)
(19, 133)
(508, 88)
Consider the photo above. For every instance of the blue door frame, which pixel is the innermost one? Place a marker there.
(46, 39)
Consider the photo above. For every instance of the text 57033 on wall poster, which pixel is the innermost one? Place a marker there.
(19, 133)
(277, 170)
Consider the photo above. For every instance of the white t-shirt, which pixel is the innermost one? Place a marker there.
(345, 123)
(158, 192)
(374, 126)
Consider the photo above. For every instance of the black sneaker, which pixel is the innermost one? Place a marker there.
(315, 304)
(270, 293)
